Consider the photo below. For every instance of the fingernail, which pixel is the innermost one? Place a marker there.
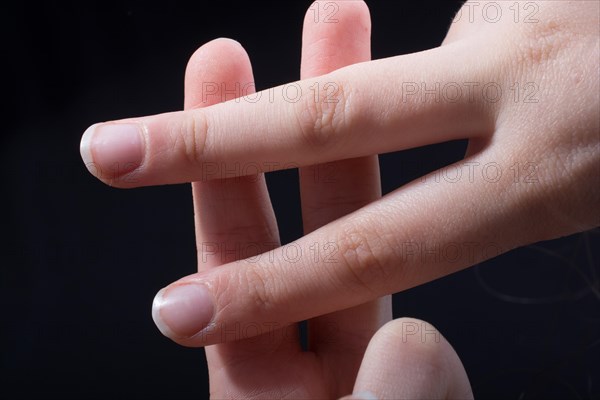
(182, 311)
(114, 149)
(364, 396)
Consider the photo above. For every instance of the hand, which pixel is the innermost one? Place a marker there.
(236, 213)
(534, 164)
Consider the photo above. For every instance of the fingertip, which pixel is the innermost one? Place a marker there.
(358, 11)
(330, 12)
(183, 311)
(112, 152)
(156, 317)
(227, 41)
(219, 62)
(222, 44)
(335, 35)
(409, 358)
(219, 51)
(85, 149)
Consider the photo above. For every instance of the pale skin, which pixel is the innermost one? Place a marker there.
(274, 365)
(372, 113)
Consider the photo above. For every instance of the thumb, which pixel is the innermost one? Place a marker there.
(410, 359)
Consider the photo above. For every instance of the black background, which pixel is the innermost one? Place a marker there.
(81, 262)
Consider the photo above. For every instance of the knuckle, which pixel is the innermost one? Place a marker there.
(541, 43)
(363, 265)
(188, 136)
(248, 288)
(537, 51)
(255, 280)
(323, 113)
(224, 292)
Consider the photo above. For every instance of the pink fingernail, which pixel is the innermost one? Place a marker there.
(112, 149)
(182, 311)
(365, 395)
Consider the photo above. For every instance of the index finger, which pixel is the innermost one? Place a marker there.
(364, 109)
